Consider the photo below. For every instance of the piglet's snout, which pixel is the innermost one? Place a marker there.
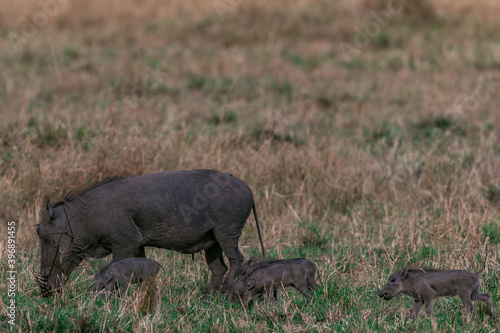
(382, 293)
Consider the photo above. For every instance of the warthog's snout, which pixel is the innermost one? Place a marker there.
(383, 294)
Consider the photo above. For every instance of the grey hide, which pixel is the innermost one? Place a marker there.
(426, 284)
(118, 275)
(258, 277)
(185, 211)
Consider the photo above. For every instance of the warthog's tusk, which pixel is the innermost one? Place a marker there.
(39, 278)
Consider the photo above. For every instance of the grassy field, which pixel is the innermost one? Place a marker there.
(369, 135)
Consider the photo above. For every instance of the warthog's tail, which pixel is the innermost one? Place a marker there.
(485, 260)
(258, 229)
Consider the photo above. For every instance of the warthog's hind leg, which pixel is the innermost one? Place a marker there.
(231, 250)
(215, 262)
(477, 296)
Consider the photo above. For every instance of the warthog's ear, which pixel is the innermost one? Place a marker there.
(49, 208)
(255, 263)
(404, 273)
(251, 284)
(109, 276)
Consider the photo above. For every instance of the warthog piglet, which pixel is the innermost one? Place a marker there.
(119, 274)
(257, 277)
(427, 284)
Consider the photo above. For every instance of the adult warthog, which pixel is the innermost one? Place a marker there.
(185, 211)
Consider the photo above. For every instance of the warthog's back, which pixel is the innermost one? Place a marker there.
(448, 282)
(173, 209)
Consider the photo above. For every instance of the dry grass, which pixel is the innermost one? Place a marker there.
(361, 165)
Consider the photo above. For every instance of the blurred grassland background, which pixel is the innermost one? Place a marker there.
(362, 161)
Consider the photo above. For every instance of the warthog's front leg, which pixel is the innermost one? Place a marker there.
(416, 308)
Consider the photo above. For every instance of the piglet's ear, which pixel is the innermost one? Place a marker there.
(255, 263)
(251, 284)
(404, 273)
(109, 276)
(49, 208)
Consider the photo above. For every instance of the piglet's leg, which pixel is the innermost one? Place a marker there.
(270, 292)
(302, 287)
(429, 306)
(477, 296)
(311, 282)
(416, 308)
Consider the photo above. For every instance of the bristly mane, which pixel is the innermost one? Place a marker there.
(72, 196)
(419, 268)
(264, 262)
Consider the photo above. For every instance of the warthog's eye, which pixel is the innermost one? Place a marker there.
(243, 272)
(392, 280)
